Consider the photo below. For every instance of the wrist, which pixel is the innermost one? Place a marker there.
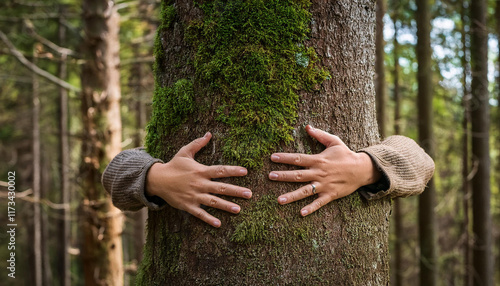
(152, 179)
(368, 170)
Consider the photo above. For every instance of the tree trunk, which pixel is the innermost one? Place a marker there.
(101, 222)
(64, 265)
(37, 217)
(480, 122)
(241, 69)
(380, 70)
(427, 224)
(398, 216)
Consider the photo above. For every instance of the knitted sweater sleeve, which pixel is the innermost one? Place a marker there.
(125, 177)
(405, 166)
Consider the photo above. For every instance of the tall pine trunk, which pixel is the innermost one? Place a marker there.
(101, 221)
(254, 74)
(426, 217)
(480, 122)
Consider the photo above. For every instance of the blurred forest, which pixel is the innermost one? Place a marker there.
(45, 130)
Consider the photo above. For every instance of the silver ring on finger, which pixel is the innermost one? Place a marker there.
(313, 189)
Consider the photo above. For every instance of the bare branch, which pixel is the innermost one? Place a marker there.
(60, 50)
(34, 68)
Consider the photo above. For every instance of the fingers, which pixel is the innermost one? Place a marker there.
(214, 202)
(228, 190)
(192, 148)
(305, 175)
(316, 204)
(296, 159)
(299, 194)
(323, 137)
(225, 171)
(204, 216)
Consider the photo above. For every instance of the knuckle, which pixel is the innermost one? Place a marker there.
(199, 214)
(222, 189)
(220, 171)
(318, 204)
(305, 192)
(297, 159)
(213, 202)
(298, 175)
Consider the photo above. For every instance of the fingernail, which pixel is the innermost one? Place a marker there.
(247, 195)
(216, 223)
(282, 200)
(311, 128)
(273, 176)
(206, 135)
(275, 157)
(243, 171)
(235, 209)
(304, 212)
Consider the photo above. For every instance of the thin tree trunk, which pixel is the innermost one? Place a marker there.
(481, 194)
(398, 216)
(427, 224)
(102, 251)
(346, 242)
(37, 219)
(64, 264)
(465, 150)
(380, 84)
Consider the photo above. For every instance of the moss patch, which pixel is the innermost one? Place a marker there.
(252, 53)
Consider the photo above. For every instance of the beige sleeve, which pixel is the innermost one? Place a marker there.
(405, 165)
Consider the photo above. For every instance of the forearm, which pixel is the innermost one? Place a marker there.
(125, 178)
(404, 165)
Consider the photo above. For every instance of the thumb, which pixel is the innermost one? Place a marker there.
(192, 148)
(323, 137)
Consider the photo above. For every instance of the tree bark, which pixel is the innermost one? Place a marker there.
(480, 122)
(346, 242)
(101, 222)
(380, 84)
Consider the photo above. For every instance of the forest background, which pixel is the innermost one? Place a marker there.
(41, 132)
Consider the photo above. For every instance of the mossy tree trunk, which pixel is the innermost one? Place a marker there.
(254, 73)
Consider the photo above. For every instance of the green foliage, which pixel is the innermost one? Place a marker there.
(251, 52)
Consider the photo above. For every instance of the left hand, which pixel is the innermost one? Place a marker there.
(336, 172)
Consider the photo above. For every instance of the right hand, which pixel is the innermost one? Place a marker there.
(186, 184)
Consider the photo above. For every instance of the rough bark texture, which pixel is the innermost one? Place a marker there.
(345, 242)
(427, 224)
(101, 221)
(380, 87)
(480, 122)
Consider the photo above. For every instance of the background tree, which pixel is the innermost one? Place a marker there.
(101, 222)
(427, 226)
(480, 122)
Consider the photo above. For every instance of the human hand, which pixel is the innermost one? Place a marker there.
(335, 173)
(186, 184)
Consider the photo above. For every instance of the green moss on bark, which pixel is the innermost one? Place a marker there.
(252, 57)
